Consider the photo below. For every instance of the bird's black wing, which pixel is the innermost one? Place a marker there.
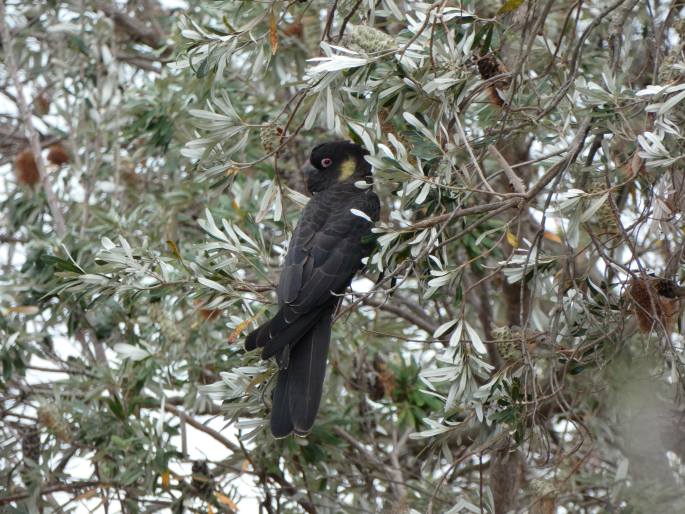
(324, 254)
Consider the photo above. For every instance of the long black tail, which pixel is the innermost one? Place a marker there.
(277, 333)
(298, 391)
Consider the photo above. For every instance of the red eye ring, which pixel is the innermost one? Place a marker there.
(326, 162)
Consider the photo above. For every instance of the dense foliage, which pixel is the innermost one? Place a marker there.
(514, 343)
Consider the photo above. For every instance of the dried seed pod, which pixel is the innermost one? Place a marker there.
(51, 418)
(205, 313)
(270, 137)
(383, 382)
(30, 446)
(58, 155)
(41, 104)
(544, 501)
(201, 483)
(507, 347)
(495, 97)
(25, 168)
(210, 314)
(293, 29)
(655, 303)
(508, 341)
(489, 66)
(603, 219)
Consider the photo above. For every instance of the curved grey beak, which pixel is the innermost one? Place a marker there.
(308, 169)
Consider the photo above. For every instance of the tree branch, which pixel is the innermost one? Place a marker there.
(6, 38)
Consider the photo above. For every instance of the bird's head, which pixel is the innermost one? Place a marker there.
(332, 163)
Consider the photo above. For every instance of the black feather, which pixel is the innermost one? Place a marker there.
(281, 421)
(306, 372)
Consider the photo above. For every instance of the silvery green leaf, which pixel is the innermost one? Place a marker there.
(442, 329)
(91, 278)
(392, 7)
(436, 429)
(361, 131)
(166, 270)
(416, 123)
(330, 109)
(313, 113)
(455, 338)
(671, 103)
(160, 420)
(386, 239)
(210, 227)
(240, 144)
(593, 207)
(128, 351)
(211, 116)
(650, 90)
(464, 505)
(126, 247)
(277, 207)
(475, 339)
(423, 194)
(335, 63)
(70, 28)
(419, 237)
(243, 235)
(452, 396)
(212, 284)
(192, 35)
(386, 151)
(622, 470)
(468, 43)
(266, 203)
(297, 197)
(246, 424)
(674, 88)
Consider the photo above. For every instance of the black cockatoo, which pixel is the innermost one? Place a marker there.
(326, 250)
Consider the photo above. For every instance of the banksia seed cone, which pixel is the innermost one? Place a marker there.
(506, 345)
(25, 168)
(383, 381)
(207, 314)
(545, 497)
(508, 340)
(489, 66)
(655, 302)
(603, 218)
(270, 137)
(210, 314)
(201, 482)
(58, 155)
(30, 446)
(30, 449)
(51, 418)
(293, 29)
(369, 39)
(41, 104)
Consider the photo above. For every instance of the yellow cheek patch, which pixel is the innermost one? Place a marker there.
(347, 169)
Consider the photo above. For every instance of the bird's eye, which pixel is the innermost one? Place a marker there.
(326, 162)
